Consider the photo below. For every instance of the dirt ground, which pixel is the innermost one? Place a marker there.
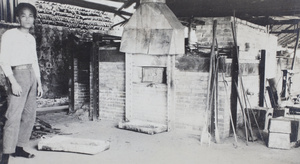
(175, 147)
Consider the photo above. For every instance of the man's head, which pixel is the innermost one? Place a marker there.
(22, 6)
(26, 14)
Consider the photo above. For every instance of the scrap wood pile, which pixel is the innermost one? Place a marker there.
(42, 128)
(73, 17)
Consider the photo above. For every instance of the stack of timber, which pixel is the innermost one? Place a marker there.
(279, 133)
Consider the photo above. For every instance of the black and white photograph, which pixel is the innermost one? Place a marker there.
(149, 82)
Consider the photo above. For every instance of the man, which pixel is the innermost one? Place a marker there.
(19, 63)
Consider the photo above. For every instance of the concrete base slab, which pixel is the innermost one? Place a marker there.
(76, 145)
(143, 127)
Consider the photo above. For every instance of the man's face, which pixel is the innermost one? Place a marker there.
(26, 18)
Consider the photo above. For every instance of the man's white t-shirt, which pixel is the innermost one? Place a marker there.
(18, 48)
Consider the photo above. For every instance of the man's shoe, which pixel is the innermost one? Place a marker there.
(20, 152)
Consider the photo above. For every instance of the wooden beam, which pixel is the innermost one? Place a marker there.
(281, 22)
(284, 31)
(204, 8)
(269, 20)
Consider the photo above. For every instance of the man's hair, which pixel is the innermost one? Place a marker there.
(22, 6)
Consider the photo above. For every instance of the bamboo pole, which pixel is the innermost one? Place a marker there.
(256, 122)
(231, 119)
(247, 110)
(242, 108)
(217, 135)
(205, 136)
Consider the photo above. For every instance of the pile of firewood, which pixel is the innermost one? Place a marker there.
(42, 128)
(73, 17)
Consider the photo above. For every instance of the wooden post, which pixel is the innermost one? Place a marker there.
(235, 70)
(234, 81)
(91, 86)
(70, 50)
(94, 82)
(284, 84)
(262, 80)
(95, 53)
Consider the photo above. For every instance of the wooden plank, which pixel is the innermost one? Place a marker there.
(272, 98)
(76, 145)
(52, 109)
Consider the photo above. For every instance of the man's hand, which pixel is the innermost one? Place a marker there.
(15, 87)
(40, 91)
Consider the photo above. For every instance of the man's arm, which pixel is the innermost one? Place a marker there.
(6, 66)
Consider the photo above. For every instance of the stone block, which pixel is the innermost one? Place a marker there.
(279, 140)
(76, 145)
